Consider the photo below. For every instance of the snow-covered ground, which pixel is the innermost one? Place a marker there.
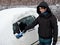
(7, 18)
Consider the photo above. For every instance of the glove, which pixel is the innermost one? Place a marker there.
(19, 35)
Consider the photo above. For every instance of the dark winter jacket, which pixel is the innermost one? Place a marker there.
(47, 24)
(22, 26)
(15, 28)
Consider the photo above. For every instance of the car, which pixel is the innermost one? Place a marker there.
(28, 17)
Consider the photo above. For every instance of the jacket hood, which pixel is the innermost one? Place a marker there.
(43, 4)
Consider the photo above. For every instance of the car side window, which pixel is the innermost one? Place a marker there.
(28, 20)
(22, 23)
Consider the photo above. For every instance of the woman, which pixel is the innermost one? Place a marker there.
(48, 28)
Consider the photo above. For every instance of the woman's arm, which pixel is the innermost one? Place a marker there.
(34, 23)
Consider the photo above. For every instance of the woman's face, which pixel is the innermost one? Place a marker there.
(42, 10)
